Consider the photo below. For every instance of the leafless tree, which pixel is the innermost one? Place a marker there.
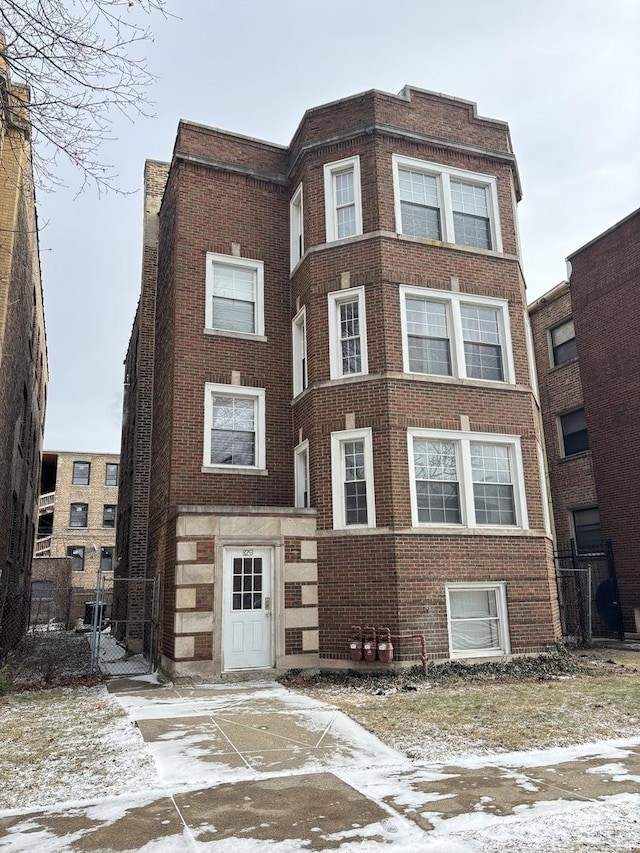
(82, 61)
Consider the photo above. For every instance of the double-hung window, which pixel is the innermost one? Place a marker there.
(442, 203)
(234, 427)
(586, 526)
(482, 345)
(299, 340)
(455, 334)
(301, 473)
(76, 552)
(296, 227)
(435, 466)
(342, 200)
(78, 515)
(493, 496)
(111, 474)
(347, 333)
(352, 479)
(81, 473)
(563, 343)
(477, 620)
(234, 295)
(106, 559)
(109, 515)
(466, 479)
(573, 430)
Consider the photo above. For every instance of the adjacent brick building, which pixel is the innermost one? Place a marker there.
(23, 360)
(589, 372)
(330, 393)
(77, 518)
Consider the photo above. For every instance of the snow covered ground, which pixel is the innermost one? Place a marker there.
(83, 747)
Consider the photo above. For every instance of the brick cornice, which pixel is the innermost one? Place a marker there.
(368, 130)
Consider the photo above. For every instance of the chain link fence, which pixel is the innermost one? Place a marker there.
(61, 634)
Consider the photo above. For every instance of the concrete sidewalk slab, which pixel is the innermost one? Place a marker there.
(205, 736)
(256, 767)
(316, 812)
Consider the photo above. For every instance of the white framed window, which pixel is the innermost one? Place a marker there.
(466, 479)
(301, 474)
(477, 620)
(296, 226)
(455, 334)
(234, 427)
(347, 333)
(442, 203)
(352, 479)
(342, 199)
(299, 342)
(234, 295)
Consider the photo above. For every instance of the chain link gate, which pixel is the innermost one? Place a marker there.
(126, 646)
(588, 593)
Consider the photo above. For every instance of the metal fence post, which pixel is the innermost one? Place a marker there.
(95, 623)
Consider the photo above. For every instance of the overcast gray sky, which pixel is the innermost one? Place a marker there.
(565, 75)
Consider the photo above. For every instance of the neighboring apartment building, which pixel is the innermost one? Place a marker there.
(23, 360)
(78, 511)
(589, 373)
(330, 395)
(573, 489)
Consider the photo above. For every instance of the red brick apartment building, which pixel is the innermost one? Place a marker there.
(588, 359)
(330, 418)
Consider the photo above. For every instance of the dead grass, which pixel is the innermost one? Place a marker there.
(64, 744)
(436, 720)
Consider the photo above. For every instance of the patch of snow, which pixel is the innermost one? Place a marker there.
(606, 749)
(618, 772)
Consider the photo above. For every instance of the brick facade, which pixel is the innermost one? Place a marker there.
(60, 530)
(133, 506)
(606, 311)
(23, 363)
(571, 477)
(228, 197)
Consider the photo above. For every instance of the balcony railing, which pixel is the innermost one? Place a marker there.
(43, 547)
(46, 503)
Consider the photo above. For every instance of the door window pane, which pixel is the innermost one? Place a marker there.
(247, 583)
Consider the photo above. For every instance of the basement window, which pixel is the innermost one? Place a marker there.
(477, 620)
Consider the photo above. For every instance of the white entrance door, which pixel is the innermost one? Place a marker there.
(247, 609)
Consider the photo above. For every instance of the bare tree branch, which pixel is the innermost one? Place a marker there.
(82, 61)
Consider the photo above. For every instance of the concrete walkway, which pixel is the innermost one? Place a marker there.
(256, 767)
